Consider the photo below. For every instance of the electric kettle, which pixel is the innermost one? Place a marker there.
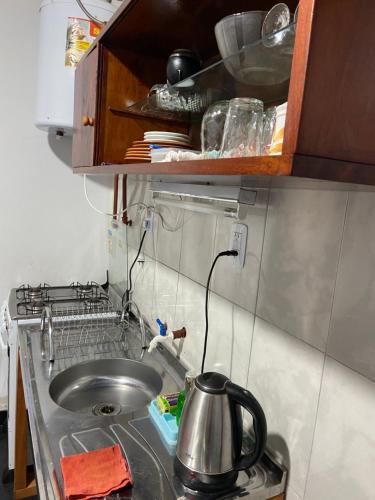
(208, 455)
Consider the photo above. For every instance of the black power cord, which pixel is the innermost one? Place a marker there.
(126, 294)
(227, 253)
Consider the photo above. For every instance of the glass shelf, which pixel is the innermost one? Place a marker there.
(261, 70)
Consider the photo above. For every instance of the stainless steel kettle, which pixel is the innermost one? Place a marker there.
(208, 455)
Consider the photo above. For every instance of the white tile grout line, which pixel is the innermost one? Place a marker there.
(314, 429)
(325, 353)
(257, 293)
(179, 262)
(337, 267)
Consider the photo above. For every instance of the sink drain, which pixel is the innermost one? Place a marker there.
(106, 409)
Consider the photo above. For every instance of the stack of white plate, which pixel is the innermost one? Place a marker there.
(156, 145)
(172, 138)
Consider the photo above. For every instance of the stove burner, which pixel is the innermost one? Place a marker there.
(93, 302)
(85, 289)
(35, 307)
(90, 289)
(34, 293)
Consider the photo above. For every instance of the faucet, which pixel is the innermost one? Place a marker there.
(47, 314)
(125, 313)
(165, 335)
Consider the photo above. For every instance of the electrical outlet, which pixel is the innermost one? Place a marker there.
(148, 223)
(238, 241)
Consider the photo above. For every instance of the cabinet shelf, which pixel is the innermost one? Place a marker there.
(137, 112)
(261, 70)
(250, 166)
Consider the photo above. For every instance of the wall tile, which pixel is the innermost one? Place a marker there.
(229, 336)
(165, 293)
(116, 239)
(240, 285)
(198, 236)
(138, 192)
(168, 235)
(143, 285)
(229, 340)
(164, 242)
(352, 338)
(291, 494)
(285, 375)
(343, 459)
(299, 262)
(243, 328)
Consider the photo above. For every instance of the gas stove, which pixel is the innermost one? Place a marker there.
(27, 302)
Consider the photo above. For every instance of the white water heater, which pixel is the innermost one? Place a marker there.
(65, 34)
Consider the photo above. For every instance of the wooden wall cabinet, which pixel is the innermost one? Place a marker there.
(106, 82)
(331, 110)
(86, 125)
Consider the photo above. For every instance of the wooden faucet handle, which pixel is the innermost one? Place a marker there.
(179, 334)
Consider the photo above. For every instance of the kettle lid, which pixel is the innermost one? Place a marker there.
(211, 382)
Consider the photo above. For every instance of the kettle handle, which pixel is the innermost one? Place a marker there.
(248, 401)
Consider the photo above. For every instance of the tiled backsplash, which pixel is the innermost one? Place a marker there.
(295, 325)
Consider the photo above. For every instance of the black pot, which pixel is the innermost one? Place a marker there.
(182, 63)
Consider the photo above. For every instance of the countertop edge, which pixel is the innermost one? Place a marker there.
(43, 477)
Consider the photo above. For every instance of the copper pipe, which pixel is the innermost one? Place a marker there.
(125, 218)
(115, 196)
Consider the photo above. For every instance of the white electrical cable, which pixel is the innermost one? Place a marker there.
(107, 213)
(164, 224)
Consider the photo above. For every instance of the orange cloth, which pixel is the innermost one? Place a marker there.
(94, 474)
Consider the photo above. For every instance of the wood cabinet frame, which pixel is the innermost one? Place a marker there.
(331, 109)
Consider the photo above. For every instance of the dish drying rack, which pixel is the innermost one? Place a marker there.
(83, 333)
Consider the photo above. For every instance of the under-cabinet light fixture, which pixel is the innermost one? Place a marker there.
(217, 200)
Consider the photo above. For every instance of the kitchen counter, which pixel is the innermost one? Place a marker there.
(57, 432)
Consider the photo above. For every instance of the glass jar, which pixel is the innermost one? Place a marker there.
(212, 128)
(243, 128)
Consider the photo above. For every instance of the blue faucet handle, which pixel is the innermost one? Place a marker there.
(162, 327)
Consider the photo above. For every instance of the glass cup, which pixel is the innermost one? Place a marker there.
(212, 128)
(243, 128)
(269, 121)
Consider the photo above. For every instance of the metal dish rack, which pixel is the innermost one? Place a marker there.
(82, 333)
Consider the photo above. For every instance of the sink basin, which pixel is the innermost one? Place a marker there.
(106, 387)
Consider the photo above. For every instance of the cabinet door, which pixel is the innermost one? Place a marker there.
(85, 111)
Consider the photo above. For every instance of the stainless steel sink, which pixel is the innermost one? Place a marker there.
(106, 387)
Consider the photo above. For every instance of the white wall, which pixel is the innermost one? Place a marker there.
(48, 232)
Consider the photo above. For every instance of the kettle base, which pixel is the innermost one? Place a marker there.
(207, 483)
